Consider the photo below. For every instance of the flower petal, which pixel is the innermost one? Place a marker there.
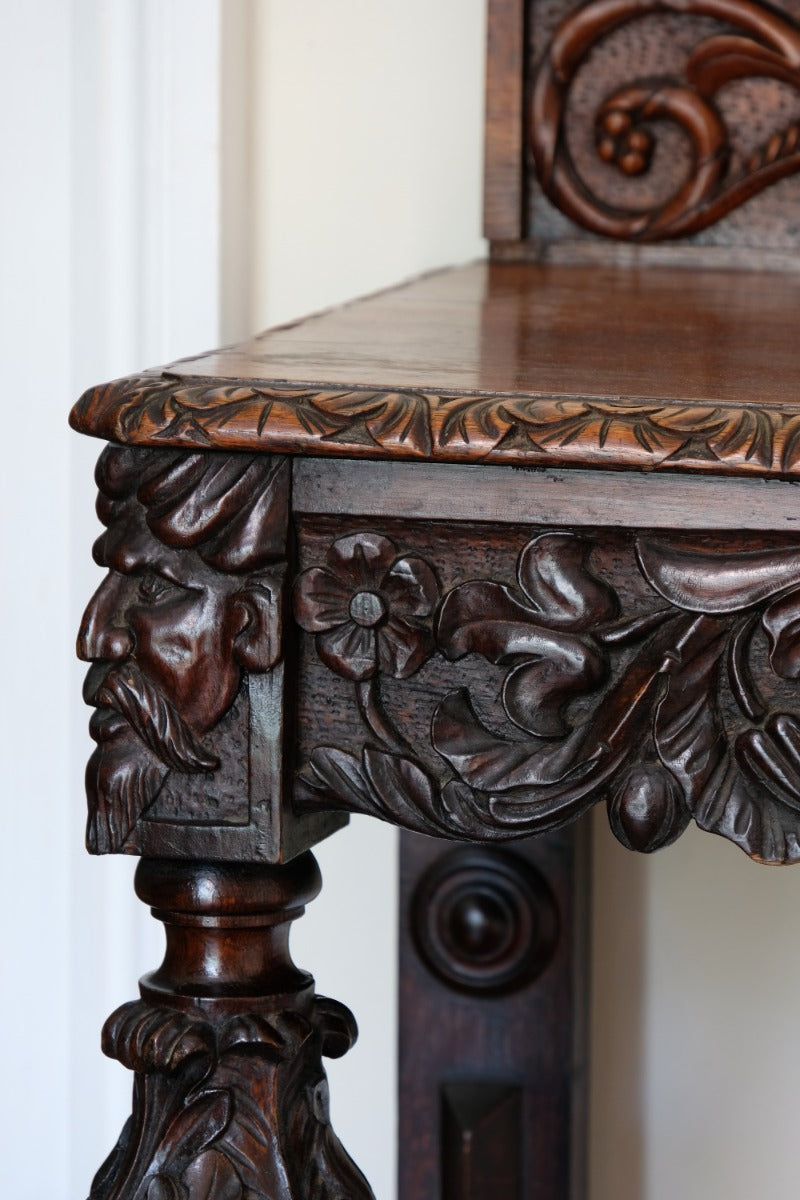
(403, 647)
(412, 587)
(362, 559)
(552, 573)
(349, 650)
(321, 601)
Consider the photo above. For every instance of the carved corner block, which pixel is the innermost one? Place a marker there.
(189, 649)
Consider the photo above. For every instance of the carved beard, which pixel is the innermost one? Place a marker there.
(124, 776)
(155, 719)
(120, 786)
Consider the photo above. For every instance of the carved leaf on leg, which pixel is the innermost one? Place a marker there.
(217, 1103)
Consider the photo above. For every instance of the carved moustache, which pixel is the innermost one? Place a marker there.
(155, 719)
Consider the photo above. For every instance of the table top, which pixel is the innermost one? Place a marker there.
(628, 368)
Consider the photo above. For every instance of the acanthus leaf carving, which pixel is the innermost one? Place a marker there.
(599, 704)
(205, 1099)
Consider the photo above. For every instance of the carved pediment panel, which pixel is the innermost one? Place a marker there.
(664, 120)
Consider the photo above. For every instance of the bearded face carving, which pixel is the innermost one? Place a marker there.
(190, 607)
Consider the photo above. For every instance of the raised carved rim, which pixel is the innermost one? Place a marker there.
(406, 424)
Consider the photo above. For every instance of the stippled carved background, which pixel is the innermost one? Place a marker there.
(758, 108)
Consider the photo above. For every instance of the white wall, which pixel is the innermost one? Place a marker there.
(109, 218)
(34, 485)
(351, 141)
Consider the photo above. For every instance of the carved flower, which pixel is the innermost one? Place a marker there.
(367, 608)
(546, 636)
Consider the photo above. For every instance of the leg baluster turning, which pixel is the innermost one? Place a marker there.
(230, 1099)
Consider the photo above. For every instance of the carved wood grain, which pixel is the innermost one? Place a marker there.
(188, 657)
(518, 430)
(230, 1098)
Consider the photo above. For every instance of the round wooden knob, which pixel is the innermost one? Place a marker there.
(484, 921)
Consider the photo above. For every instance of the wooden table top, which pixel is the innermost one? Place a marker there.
(511, 363)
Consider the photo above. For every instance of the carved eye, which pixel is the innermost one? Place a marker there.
(152, 588)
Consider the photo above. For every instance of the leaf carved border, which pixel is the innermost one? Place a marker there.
(671, 694)
(754, 41)
(154, 410)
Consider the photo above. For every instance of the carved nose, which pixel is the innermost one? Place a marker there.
(102, 634)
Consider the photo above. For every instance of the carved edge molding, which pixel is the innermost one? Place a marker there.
(754, 41)
(674, 712)
(162, 410)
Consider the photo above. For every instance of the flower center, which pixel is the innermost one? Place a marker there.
(367, 608)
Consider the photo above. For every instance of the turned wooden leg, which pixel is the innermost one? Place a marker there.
(188, 657)
(230, 1098)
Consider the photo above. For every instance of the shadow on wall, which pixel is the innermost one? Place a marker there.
(617, 1013)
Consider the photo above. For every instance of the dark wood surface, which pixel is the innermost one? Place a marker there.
(230, 1097)
(492, 1040)
(643, 124)
(490, 683)
(197, 550)
(517, 364)
(503, 164)
(542, 496)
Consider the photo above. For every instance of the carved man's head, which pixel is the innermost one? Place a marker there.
(185, 608)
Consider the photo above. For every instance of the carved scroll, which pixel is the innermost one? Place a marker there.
(673, 699)
(753, 42)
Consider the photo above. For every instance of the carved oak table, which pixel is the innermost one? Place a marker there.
(470, 556)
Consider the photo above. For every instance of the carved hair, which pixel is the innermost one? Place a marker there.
(230, 508)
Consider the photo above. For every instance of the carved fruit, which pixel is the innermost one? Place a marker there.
(646, 810)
